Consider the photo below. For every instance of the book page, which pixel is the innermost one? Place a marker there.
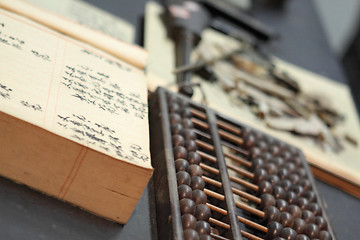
(73, 90)
(90, 16)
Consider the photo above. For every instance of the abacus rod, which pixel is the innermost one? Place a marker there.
(250, 236)
(234, 179)
(227, 226)
(213, 235)
(219, 223)
(241, 219)
(237, 203)
(222, 124)
(235, 190)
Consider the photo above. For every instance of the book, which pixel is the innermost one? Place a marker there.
(339, 169)
(73, 118)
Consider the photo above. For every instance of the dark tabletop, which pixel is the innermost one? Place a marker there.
(26, 214)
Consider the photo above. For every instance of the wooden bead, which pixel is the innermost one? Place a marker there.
(306, 184)
(186, 113)
(303, 203)
(202, 212)
(180, 152)
(183, 178)
(260, 174)
(264, 187)
(286, 155)
(302, 237)
(175, 118)
(321, 223)
(288, 233)
(295, 211)
(301, 172)
(274, 230)
(254, 152)
(283, 173)
(249, 141)
(187, 206)
(315, 209)
(187, 123)
(266, 156)
(184, 191)
(278, 161)
(199, 197)
(308, 216)
(257, 163)
(188, 221)
(188, 134)
(245, 131)
(286, 219)
(285, 184)
(174, 108)
(205, 237)
(278, 192)
(197, 183)
(299, 225)
(190, 234)
(181, 165)
(195, 170)
(279, 238)
(176, 128)
(325, 235)
(270, 168)
(312, 231)
(273, 179)
(291, 197)
(297, 161)
(290, 167)
(172, 99)
(262, 145)
(193, 158)
(310, 195)
(274, 150)
(282, 205)
(178, 140)
(267, 200)
(203, 228)
(190, 145)
(293, 178)
(271, 214)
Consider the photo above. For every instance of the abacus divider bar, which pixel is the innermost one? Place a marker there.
(238, 192)
(229, 199)
(222, 124)
(170, 167)
(234, 179)
(241, 219)
(237, 203)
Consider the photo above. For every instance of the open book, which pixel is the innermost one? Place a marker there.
(73, 119)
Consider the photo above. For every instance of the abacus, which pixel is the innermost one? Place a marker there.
(216, 178)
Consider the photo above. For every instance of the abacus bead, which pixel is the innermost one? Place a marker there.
(297, 161)
(299, 225)
(199, 197)
(293, 178)
(321, 223)
(315, 209)
(190, 234)
(187, 123)
(286, 219)
(259, 175)
(176, 128)
(179, 152)
(188, 134)
(181, 165)
(306, 184)
(301, 172)
(249, 141)
(197, 183)
(283, 173)
(195, 170)
(203, 228)
(310, 195)
(188, 221)
(290, 197)
(183, 178)
(270, 168)
(254, 152)
(178, 140)
(278, 192)
(267, 200)
(302, 237)
(187, 206)
(193, 158)
(271, 214)
(282, 205)
(273, 179)
(264, 187)
(190, 145)
(295, 211)
(285, 184)
(303, 203)
(274, 230)
(202, 212)
(175, 118)
(312, 231)
(186, 113)
(262, 145)
(174, 107)
(279, 238)
(278, 161)
(274, 150)
(288, 233)
(245, 131)
(290, 167)
(308, 216)
(205, 237)
(184, 191)
(325, 235)
(286, 155)
(299, 190)
(266, 156)
(256, 163)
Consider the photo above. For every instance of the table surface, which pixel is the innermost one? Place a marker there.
(27, 214)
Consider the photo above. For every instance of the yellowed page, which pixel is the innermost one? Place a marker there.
(73, 90)
(90, 16)
(130, 53)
